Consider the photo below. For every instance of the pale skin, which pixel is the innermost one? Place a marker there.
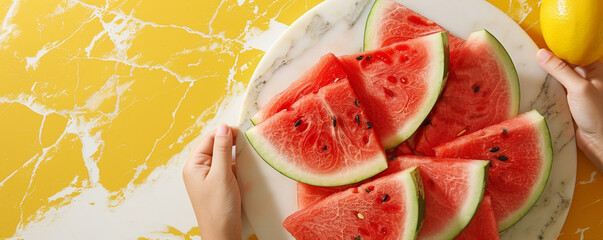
(214, 193)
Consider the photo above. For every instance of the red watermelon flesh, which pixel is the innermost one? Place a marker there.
(325, 72)
(390, 22)
(386, 208)
(482, 90)
(521, 156)
(453, 190)
(483, 225)
(322, 139)
(399, 84)
(482, 87)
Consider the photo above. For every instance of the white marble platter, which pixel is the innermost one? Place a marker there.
(337, 26)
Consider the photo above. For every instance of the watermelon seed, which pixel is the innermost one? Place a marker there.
(385, 198)
(367, 190)
(324, 148)
(392, 157)
(360, 216)
(494, 149)
(431, 182)
(476, 89)
(461, 132)
(334, 121)
(505, 131)
(298, 122)
(503, 158)
(359, 57)
(369, 57)
(357, 119)
(370, 125)
(357, 238)
(491, 164)
(427, 123)
(356, 102)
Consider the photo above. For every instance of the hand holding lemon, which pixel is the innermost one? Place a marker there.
(573, 29)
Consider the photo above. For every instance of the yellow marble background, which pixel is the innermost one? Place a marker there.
(100, 102)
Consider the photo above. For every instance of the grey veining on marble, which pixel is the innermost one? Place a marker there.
(337, 26)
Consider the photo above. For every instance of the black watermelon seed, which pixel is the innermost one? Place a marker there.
(427, 123)
(359, 57)
(491, 164)
(324, 148)
(431, 182)
(357, 119)
(298, 122)
(367, 190)
(494, 149)
(392, 157)
(357, 238)
(476, 89)
(385, 198)
(368, 58)
(503, 158)
(370, 125)
(334, 122)
(356, 102)
(505, 131)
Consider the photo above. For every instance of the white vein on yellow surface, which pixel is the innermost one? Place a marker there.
(581, 231)
(8, 28)
(592, 178)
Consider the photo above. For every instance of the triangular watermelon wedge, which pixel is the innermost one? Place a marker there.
(521, 156)
(390, 207)
(483, 225)
(399, 84)
(453, 191)
(322, 139)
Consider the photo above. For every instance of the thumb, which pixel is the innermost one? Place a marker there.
(560, 70)
(221, 163)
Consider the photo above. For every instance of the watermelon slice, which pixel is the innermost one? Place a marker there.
(483, 225)
(521, 156)
(391, 207)
(322, 139)
(390, 22)
(453, 191)
(483, 90)
(325, 72)
(482, 87)
(400, 83)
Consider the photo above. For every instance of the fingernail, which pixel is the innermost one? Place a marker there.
(222, 130)
(544, 55)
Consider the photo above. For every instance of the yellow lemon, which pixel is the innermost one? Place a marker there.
(573, 29)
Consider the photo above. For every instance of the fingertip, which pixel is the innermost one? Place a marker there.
(222, 130)
(543, 55)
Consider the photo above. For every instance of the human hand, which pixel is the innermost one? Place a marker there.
(212, 187)
(584, 85)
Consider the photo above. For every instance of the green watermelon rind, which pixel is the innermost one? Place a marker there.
(269, 154)
(475, 198)
(440, 57)
(411, 177)
(547, 162)
(373, 19)
(505, 62)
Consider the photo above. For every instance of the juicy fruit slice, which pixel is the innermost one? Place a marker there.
(483, 225)
(453, 191)
(325, 72)
(482, 90)
(322, 139)
(399, 83)
(521, 156)
(391, 207)
(390, 22)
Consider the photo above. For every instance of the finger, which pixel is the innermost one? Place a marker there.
(206, 144)
(222, 154)
(560, 70)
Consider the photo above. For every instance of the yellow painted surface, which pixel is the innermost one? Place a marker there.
(97, 95)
